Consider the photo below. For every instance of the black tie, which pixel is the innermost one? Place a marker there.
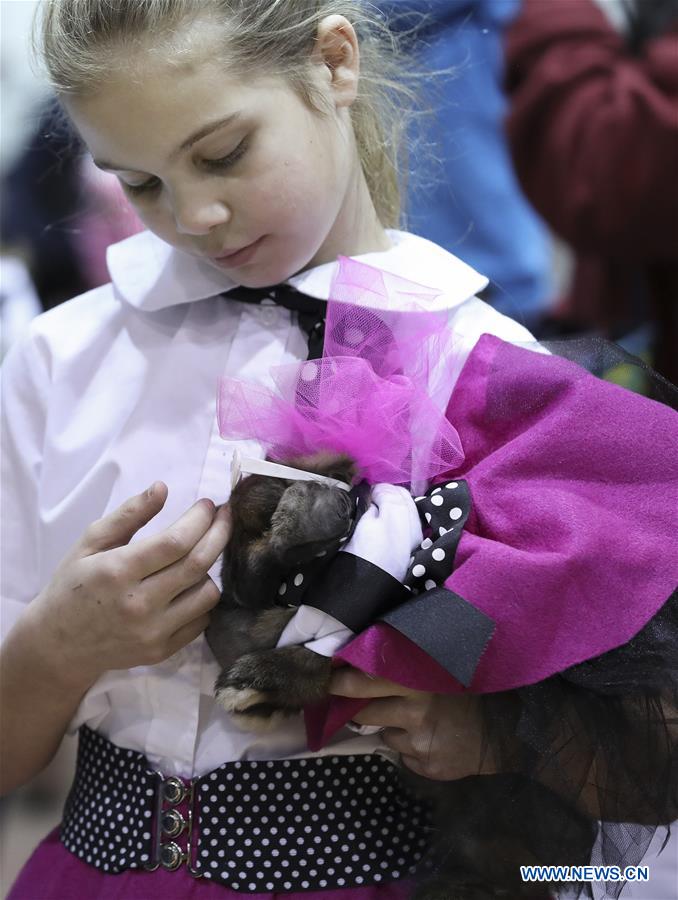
(311, 311)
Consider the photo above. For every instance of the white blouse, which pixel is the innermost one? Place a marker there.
(116, 389)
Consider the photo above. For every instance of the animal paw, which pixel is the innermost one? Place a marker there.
(262, 688)
(253, 691)
(250, 709)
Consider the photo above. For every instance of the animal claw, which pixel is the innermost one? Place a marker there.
(252, 710)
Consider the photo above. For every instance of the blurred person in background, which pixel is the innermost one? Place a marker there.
(18, 301)
(59, 214)
(40, 204)
(593, 127)
(470, 202)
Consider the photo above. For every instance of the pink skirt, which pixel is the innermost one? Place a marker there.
(54, 873)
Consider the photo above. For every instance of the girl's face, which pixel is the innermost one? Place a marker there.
(237, 171)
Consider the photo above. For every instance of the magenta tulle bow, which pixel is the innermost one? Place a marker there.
(378, 393)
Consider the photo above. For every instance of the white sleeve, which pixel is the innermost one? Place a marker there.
(25, 391)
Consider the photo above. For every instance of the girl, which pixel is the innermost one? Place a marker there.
(245, 133)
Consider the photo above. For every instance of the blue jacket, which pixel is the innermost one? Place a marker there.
(471, 203)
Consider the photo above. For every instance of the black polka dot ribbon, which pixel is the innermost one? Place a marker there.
(318, 823)
(446, 626)
(443, 512)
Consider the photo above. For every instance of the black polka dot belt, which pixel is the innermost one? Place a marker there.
(256, 826)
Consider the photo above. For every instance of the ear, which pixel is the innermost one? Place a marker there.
(336, 47)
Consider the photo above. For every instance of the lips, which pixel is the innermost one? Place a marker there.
(228, 253)
(239, 256)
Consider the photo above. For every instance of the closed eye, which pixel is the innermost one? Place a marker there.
(142, 188)
(224, 162)
(219, 165)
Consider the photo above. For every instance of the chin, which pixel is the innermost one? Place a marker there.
(260, 276)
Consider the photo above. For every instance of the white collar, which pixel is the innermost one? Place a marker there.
(150, 275)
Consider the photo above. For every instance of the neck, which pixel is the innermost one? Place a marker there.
(357, 229)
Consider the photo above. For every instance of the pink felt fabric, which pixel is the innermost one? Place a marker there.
(572, 542)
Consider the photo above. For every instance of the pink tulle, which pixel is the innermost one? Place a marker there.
(378, 393)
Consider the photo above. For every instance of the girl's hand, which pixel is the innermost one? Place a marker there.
(114, 605)
(438, 736)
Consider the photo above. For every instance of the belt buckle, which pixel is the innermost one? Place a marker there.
(171, 823)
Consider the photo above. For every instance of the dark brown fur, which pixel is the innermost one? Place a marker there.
(277, 526)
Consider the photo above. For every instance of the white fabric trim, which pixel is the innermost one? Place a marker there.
(150, 275)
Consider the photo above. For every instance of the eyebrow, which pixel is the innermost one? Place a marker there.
(186, 145)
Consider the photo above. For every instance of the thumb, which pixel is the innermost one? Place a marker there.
(119, 527)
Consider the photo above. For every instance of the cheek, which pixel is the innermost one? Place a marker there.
(155, 218)
(306, 177)
(300, 191)
(273, 197)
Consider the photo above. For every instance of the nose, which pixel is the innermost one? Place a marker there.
(198, 213)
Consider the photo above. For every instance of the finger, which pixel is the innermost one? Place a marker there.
(416, 765)
(386, 712)
(118, 527)
(349, 682)
(419, 745)
(398, 739)
(192, 604)
(195, 564)
(437, 769)
(188, 633)
(152, 554)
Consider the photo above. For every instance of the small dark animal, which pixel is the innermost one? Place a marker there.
(278, 525)
(485, 827)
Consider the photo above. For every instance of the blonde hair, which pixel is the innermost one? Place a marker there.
(79, 40)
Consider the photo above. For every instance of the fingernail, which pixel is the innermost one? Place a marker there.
(150, 491)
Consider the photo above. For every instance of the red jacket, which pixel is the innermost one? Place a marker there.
(594, 133)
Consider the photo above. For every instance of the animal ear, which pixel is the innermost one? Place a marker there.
(333, 465)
